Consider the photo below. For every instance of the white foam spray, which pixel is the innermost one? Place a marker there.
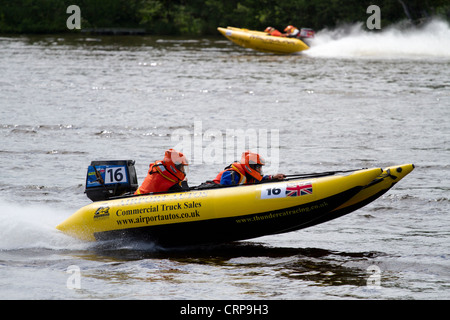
(32, 227)
(429, 41)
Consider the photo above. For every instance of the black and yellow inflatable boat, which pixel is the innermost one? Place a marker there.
(261, 41)
(214, 215)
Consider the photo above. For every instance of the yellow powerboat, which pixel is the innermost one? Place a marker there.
(219, 214)
(261, 41)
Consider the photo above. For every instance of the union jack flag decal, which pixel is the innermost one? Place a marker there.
(295, 190)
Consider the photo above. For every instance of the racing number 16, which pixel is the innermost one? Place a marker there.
(270, 193)
(115, 175)
(273, 191)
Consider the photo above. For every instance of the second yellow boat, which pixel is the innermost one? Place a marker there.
(263, 42)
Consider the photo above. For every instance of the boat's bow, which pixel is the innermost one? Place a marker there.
(373, 190)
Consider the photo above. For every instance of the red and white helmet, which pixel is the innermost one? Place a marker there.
(175, 161)
(253, 163)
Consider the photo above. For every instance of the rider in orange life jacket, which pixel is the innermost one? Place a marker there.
(292, 32)
(166, 175)
(248, 170)
(273, 32)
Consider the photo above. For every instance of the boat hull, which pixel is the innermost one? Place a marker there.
(263, 42)
(217, 215)
(228, 229)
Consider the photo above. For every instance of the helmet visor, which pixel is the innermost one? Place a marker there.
(182, 168)
(257, 167)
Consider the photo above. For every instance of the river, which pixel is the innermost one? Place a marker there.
(355, 99)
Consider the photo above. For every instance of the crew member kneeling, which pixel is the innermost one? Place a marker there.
(166, 175)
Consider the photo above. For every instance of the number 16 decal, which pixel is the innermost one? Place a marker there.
(115, 175)
(271, 192)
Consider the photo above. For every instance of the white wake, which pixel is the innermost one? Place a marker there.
(429, 41)
(32, 227)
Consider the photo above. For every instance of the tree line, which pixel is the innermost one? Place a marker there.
(202, 17)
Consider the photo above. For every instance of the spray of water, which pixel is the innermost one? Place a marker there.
(32, 227)
(429, 41)
(24, 227)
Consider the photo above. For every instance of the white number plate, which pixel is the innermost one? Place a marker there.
(115, 174)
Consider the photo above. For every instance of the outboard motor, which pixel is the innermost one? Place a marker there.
(107, 179)
(307, 33)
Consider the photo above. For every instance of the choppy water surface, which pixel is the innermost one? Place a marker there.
(356, 99)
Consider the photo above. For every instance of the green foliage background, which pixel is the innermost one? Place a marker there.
(202, 17)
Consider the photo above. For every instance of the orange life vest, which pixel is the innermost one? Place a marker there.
(158, 179)
(275, 33)
(239, 169)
